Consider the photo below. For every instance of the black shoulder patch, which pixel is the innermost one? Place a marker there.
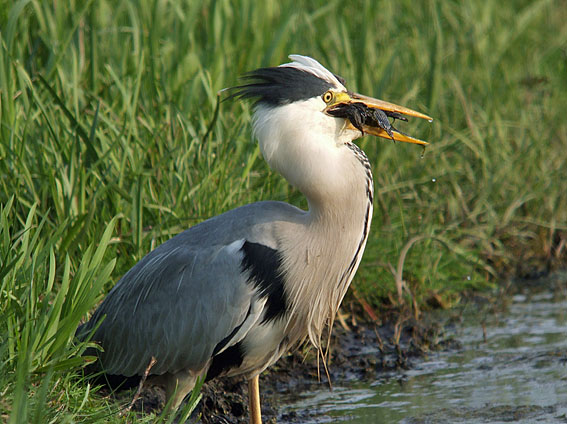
(264, 266)
(232, 357)
(281, 85)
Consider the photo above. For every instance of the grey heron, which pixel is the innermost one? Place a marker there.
(230, 295)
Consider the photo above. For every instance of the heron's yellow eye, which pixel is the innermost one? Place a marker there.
(327, 97)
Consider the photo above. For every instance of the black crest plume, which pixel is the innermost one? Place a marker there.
(280, 85)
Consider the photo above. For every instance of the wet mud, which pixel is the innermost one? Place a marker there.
(362, 351)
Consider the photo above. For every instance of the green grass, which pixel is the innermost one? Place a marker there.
(109, 146)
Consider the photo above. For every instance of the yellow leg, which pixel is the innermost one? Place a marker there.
(254, 401)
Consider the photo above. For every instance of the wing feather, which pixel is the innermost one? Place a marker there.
(158, 309)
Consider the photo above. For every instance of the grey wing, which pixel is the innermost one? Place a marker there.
(177, 304)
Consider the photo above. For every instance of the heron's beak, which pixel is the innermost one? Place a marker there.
(370, 115)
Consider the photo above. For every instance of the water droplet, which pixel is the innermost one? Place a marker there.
(430, 120)
(433, 180)
(469, 277)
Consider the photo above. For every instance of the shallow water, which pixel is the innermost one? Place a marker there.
(518, 373)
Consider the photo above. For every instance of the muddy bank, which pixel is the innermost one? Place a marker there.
(510, 367)
(362, 351)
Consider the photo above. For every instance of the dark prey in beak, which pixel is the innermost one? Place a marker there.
(359, 115)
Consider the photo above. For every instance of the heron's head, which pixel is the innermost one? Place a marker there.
(303, 94)
(305, 111)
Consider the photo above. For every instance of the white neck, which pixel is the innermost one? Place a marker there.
(314, 153)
